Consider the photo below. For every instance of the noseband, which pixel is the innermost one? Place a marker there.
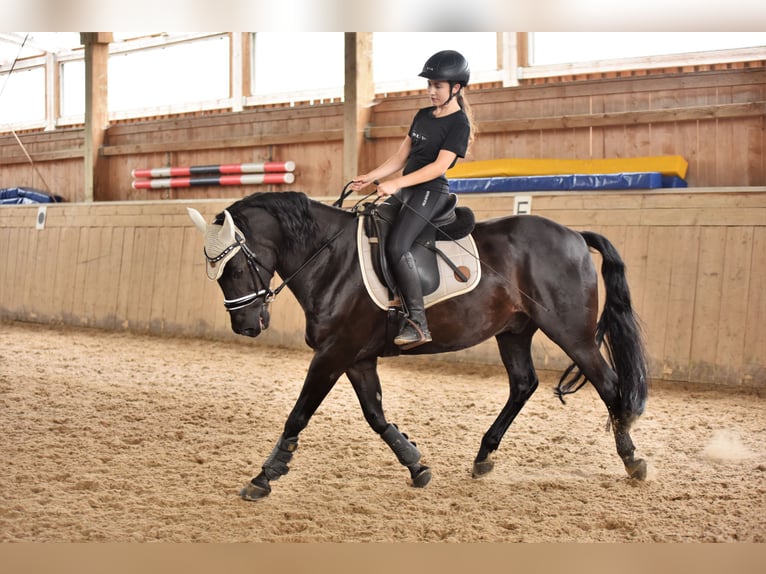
(252, 262)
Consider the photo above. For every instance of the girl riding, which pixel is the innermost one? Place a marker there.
(438, 135)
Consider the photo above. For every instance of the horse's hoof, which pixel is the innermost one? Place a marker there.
(480, 468)
(422, 477)
(254, 492)
(637, 470)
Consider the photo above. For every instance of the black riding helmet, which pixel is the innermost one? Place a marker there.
(447, 65)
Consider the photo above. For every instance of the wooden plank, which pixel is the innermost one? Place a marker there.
(58, 155)
(44, 273)
(682, 271)
(704, 216)
(734, 305)
(656, 294)
(635, 258)
(223, 121)
(78, 309)
(93, 284)
(48, 284)
(66, 271)
(108, 296)
(5, 253)
(125, 285)
(587, 219)
(25, 253)
(754, 367)
(11, 274)
(142, 278)
(191, 276)
(746, 167)
(106, 267)
(707, 304)
(168, 267)
(607, 141)
(728, 197)
(227, 143)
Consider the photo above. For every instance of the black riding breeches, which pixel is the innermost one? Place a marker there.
(418, 207)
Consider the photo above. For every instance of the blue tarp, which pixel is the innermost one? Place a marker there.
(24, 195)
(571, 182)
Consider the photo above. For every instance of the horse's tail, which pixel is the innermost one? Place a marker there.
(619, 329)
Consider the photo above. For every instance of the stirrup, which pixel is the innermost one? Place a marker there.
(417, 336)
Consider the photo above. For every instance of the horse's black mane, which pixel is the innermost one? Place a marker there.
(290, 208)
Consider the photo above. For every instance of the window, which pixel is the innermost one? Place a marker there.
(398, 57)
(171, 75)
(22, 99)
(292, 66)
(567, 47)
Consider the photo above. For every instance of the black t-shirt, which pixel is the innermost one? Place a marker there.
(429, 135)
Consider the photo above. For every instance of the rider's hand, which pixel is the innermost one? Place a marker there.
(359, 182)
(387, 188)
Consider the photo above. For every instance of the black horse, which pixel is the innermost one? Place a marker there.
(536, 274)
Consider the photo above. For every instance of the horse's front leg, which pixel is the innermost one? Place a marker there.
(364, 378)
(321, 377)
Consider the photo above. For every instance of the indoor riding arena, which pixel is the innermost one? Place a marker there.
(132, 412)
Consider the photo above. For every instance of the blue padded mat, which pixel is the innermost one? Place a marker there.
(570, 182)
(25, 195)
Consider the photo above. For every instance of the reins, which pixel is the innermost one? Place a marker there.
(322, 247)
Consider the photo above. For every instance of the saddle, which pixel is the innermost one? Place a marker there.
(445, 254)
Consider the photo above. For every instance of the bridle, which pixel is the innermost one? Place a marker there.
(263, 291)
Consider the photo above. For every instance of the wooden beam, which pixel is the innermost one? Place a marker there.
(359, 92)
(70, 153)
(513, 55)
(96, 108)
(52, 85)
(196, 145)
(235, 71)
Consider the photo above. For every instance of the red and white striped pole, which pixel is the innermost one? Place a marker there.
(223, 169)
(265, 178)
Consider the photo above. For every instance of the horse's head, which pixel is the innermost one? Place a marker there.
(241, 276)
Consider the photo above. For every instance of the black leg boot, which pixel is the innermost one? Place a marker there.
(415, 330)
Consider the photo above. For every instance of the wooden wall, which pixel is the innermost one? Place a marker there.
(696, 265)
(715, 119)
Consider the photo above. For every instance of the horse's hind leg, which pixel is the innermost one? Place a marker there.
(605, 381)
(515, 351)
(364, 378)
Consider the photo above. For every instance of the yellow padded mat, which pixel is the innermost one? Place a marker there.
(509, 167)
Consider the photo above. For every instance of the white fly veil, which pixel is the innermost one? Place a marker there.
(220, 242)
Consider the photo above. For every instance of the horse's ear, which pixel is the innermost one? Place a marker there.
(226, 235)
(199, 221)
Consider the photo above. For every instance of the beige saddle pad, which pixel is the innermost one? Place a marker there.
(462, 253)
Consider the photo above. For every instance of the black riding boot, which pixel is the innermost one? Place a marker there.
(415, 330)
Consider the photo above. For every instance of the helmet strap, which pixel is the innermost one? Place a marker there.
(451, 95)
